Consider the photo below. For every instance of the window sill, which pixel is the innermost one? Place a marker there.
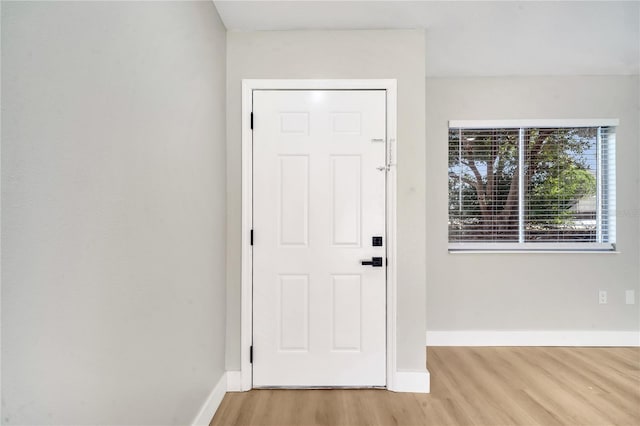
(546, 251)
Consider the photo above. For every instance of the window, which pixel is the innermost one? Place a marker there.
(532, 185)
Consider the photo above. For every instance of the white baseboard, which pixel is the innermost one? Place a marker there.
(404, 381)
(212, 403)
(411, 381)
(231, 381)
(533, 338)
(234, 381)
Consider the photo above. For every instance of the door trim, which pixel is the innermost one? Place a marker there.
(246, 297)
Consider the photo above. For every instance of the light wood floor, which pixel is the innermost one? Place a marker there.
(469, 386)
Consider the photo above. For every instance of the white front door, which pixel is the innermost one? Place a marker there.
(319, 313)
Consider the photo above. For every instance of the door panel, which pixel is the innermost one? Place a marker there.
(294, 312)
(319, 198)
(293, 195)
(347, 310)
(346, 193)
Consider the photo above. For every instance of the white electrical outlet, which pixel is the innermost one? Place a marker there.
(630, 297)
(602, 297)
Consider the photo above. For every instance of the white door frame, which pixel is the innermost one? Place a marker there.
(246, 316)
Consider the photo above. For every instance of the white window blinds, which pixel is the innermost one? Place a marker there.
(531, 187)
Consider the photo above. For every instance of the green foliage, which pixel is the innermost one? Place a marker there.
(553, 198)
(483, 172)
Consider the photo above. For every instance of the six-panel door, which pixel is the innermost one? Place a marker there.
(318, 199)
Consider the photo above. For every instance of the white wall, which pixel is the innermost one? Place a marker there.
(553, 291)
(113, 222)
(341, 54)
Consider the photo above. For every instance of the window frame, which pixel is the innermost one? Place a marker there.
(515, 247)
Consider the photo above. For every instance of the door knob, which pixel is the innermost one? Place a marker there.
(376, 262)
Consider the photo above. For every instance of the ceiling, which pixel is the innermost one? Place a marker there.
(479, 38)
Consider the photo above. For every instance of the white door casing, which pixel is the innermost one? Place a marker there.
(319, 167)
(396, 380)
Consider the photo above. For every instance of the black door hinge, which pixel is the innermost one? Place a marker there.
(251, 354)
(251, 237)
(252, 121)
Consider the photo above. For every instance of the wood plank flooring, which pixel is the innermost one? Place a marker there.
(469, 386)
